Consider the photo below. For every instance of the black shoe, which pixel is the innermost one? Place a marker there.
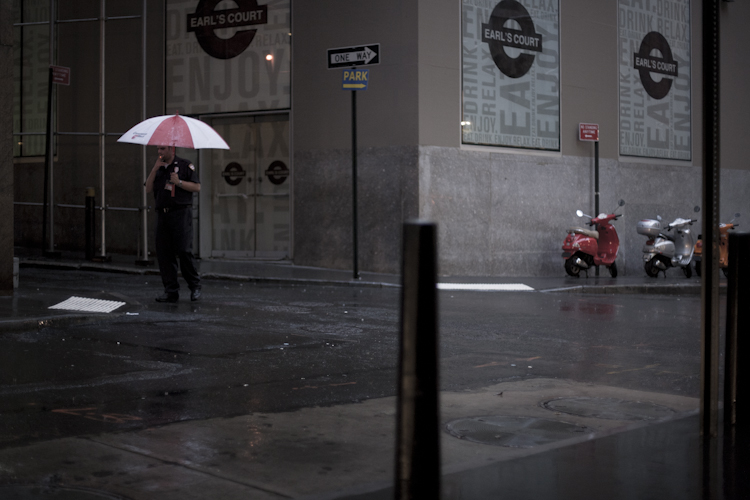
(195, 294)
(168, 297)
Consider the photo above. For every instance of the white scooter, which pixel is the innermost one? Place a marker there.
(672, 246)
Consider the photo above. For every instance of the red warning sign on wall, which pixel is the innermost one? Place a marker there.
(60, 75)
(588, 131)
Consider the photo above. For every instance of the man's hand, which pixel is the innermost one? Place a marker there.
(174, 178)
(160, 162)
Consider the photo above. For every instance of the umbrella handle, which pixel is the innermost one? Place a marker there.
(176, 169)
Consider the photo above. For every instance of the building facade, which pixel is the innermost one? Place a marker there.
(470, 118)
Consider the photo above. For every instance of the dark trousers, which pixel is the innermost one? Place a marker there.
(174, 240)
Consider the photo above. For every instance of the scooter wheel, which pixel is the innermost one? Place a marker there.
(651, 269)
(571, 268)
(688, 271)
(613, 270)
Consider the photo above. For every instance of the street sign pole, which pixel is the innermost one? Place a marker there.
(354, 182)
(596, 179)
(590, 132)
(348, 58)
(596, 188)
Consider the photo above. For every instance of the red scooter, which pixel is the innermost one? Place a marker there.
(586, 248)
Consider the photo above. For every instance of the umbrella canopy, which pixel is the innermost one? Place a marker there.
(174, 130)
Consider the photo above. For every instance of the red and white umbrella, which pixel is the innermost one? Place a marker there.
(174, 130)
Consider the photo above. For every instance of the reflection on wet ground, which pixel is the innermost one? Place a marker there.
(263, 362)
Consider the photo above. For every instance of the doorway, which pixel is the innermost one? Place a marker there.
(248, 213)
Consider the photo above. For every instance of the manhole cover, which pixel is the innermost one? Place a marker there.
(30, 492)
(609, 408)
(513, 432)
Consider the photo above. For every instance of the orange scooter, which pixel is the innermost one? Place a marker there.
(723, 247)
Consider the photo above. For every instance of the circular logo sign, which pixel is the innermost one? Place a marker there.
(233, 173)
(499, 36)
(646, 64)
(277, 172)
(206, 20)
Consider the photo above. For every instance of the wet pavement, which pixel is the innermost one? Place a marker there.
(281, 384)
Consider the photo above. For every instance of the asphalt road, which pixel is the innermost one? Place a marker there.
(266, 348)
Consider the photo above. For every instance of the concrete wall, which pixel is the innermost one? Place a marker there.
(6, 151)
(506, 215)
(387, 133)
(499, 211)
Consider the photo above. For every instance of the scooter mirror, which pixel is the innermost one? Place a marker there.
(736, 215)
(621, 203)
(658, 217)
(579, 213)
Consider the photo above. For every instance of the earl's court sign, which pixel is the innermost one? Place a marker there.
(511, 73)
(654, 78)
(227, 59)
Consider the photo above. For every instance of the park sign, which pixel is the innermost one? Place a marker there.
(347, 57)
(355, 79)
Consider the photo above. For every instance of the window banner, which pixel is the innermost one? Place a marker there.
(234, 58)
(654, 62)
(511, 73)
(30, 77)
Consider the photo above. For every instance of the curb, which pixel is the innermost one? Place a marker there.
(651, 289)
(634, 289)
(297, 281)
(62, 266)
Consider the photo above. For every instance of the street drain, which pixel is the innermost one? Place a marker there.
(30, 492)
(513, 432)
(88, 305)
(608, 408)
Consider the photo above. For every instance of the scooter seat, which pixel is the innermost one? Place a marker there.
(585, 232)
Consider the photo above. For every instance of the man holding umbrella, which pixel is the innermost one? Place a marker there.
(173, 181)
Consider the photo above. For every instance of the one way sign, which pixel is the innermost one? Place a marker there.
(346, 57)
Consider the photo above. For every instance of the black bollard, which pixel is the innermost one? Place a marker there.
(90, 223)
(736, 451)
(417, 425)
(737, 375)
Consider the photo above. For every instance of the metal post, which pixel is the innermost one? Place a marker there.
(596, 185)
(102, 127)
(143, 258)
(90, 223)
(418, 436)
(736, 441)
(709, 386)
(596, 178)
(47, 164)
(737, 392)
(354, 182)
(49, 230)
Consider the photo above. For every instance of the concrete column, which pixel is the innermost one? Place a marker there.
(6, 150)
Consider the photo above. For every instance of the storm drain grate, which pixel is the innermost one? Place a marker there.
(513, 432)
(486, 287)
(608, 408)
(88, 305)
